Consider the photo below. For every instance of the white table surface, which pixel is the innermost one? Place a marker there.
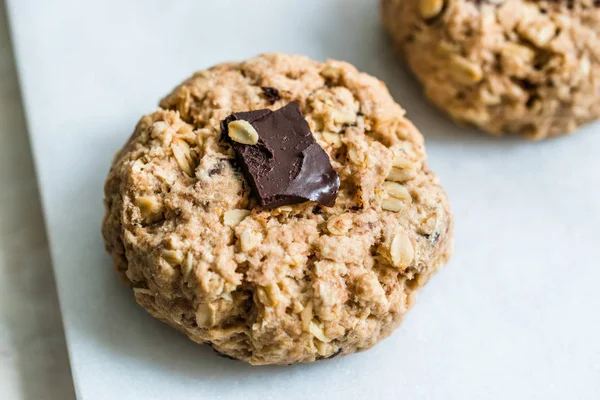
(33, 355)
(515, 314)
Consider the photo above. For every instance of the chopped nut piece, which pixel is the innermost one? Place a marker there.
(159, 127)
(234, 217)
(317, 332)
(402, 162)
(249, 240)
(227, 296)
(186, 267)
(428, 225)
(269, 295)
(401, 175)
(477, 117)
(149, 205)
(262, 296)
(181, 151)
(516, 59)
(518, 51)
(242, 132)
(539, 31)
(392, 204)
(446, 49)
(321, 347)
(355, 156)
(172, 256)
(343, 117)
(306, 316)
(331, 73)
(398, 191)
(333, 139)
(430, 8)
(401, 250)
(464, 71)
(585, 66)
(339, 225)
(205, 315)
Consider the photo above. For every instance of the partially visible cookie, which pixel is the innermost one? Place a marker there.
(506, 66)
(275, 261)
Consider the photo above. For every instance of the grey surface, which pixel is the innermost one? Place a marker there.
(33, 355)
(515, 314)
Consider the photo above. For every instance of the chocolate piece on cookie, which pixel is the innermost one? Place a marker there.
(506, 66)
(294, 283)
(285, 165)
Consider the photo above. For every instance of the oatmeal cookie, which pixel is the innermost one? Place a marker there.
(213, 247)
(506, 66)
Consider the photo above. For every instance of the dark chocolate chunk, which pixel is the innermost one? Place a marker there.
(287, 165)
(271, 94)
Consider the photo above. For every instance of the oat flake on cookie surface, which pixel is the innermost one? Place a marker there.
(529, 67)
(296, 283)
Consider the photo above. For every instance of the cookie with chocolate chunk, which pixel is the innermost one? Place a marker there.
(507, 66)
(279, 209)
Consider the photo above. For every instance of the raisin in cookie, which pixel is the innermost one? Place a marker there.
(279, 209)
(506, 66)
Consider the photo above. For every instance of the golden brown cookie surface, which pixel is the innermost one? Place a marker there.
(506, 66)
(300, 282)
